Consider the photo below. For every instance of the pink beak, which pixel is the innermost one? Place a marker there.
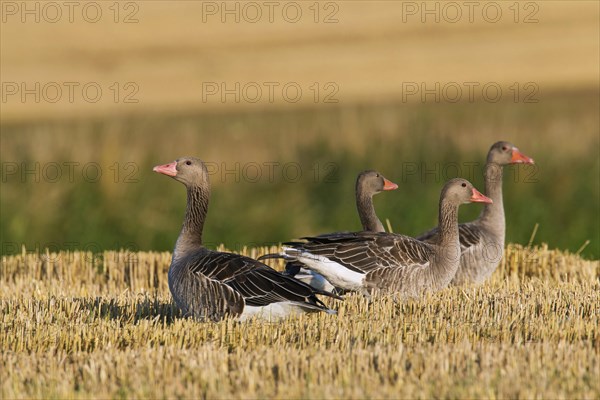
(167, 169)
(389, 185)
(477, 197)
(520, 158)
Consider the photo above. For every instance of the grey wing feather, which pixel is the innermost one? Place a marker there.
(206, 298)
(470, 235)
(367, 251)
(257, 283)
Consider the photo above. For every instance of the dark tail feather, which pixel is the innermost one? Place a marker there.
(316, 306)
(326, 293)
(292, 271)
(292, 268)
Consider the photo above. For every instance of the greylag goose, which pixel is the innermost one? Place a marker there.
(482, 240)
(208, 284)
(363, 261)
(368, 184)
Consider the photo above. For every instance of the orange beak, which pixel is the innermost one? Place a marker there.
(477, 197)
(520, 158)
(167, 169)
(389, 185)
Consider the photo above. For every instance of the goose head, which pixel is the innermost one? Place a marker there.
(188, 170)
(504, 153)
(460, 191)
(372, 182)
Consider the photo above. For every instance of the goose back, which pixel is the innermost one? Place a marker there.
(368, 184)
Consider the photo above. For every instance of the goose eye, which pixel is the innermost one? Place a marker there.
(188, 162)
(464, 184)
(377, 175)
(504, 148)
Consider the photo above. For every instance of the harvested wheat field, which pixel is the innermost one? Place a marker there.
(79, 325)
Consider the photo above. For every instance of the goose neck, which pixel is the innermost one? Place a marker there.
(366, 212)
(493, 213)
(190, 237)
(448, 223)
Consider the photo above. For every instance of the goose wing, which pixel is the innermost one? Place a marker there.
(211, 298)
(257, 283)
(470, 235)
(364, 252)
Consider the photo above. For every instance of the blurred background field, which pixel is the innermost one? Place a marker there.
(312, 187)
(314, 149)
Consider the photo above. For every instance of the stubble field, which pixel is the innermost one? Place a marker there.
(78, 324)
